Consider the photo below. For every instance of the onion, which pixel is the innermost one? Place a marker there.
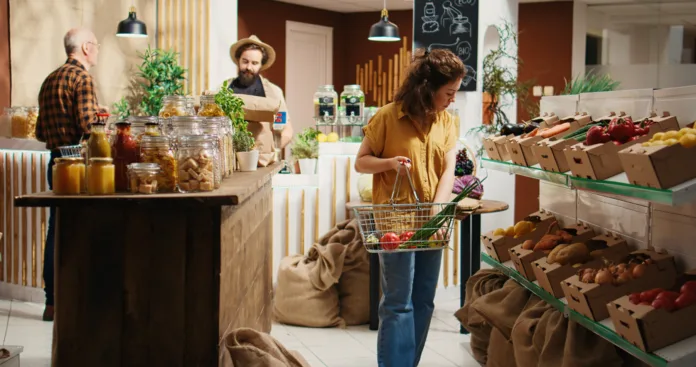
(638, 271)
(624, 278)
(462, 182)
(604, 277)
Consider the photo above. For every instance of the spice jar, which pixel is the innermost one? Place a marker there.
(213, 127)
(143, 178)
(174, 106)
(124, 151)
(98, 144)
(156, 149)
(325, 104)
(209, 108)
(101, 176)
(196, 162)
(353, 102)
(68, 176)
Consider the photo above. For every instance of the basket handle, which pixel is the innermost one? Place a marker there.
(397, 183)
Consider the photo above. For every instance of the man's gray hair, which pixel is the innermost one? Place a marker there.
(74, 39)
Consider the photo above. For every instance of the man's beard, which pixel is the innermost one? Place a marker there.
(247, 78)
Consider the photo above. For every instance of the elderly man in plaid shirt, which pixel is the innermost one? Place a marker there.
(68, 106)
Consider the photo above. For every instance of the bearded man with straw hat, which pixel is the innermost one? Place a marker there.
(260, 95)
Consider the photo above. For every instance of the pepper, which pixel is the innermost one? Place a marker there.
(594, 135)
(621, 129)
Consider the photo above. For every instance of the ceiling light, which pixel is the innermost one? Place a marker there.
(384, 30)
(131, 26)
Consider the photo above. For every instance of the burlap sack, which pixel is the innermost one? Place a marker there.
(500, 351)
(526, 351)
(502, 307)
(250, 348)
(481, 283)
(299, 302)
(583, 348)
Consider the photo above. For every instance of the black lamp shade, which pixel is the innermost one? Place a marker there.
(384, 30)
(131, 27)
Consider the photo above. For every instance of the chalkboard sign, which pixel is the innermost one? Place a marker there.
(450, 24)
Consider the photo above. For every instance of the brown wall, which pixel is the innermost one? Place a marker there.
(4, 54)
(266, 19)
(549, 62)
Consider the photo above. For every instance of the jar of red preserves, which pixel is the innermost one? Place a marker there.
(124, 151)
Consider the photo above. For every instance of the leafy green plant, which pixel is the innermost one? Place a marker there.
(306, 145)
(160, 76)
(122, 109)
(243, 141)
(590, 83)
(232, 106)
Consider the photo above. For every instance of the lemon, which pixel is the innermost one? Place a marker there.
(647, 144)
(669, 142)
(321, 138)
(499, 232)
(658, 136)
(688, 140)
(670, 135)
(657, 143)
(332, 138)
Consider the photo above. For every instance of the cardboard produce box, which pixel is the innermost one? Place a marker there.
(651, 329)
(550, 152)
(601, 161)
(591, 299)
(546, 120)
(520, 149)
(496, 147)
(497, 246)
(550, 276)
(661, 167)
(523, 259)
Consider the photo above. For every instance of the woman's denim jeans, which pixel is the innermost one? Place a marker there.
(409, 280)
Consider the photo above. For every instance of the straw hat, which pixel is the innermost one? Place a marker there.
(254, 40)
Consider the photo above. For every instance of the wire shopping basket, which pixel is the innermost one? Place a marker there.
(396, 227)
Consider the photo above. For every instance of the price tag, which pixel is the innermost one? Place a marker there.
(280, 120)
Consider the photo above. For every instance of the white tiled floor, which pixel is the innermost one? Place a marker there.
(20, 324)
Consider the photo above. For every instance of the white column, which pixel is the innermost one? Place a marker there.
(579, 38)
(223, 33)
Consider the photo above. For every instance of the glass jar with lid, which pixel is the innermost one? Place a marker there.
(209, 108)
(20, 121)
(157, 149)
(98, 143)
(191, 105)
(230, 159)
(124, 152)
(143, 178)
(101, 176)
(184, 125)
(213, 126)
(69, 176)
(325, 104)
(195, 157)
(144, 125)
(174, 106)
(353, 103)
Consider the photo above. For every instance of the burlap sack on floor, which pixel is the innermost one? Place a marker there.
(502, 307)
(306, 294)
(481, 283)
(500, 351)
(250, 348)
(526, 350)
(583, 348)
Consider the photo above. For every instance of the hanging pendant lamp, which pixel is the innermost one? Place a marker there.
(384, 30)
(131, 27)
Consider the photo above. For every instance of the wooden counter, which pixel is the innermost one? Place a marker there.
(156, 280)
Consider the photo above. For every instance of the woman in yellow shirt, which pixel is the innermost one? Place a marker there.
(415, 132)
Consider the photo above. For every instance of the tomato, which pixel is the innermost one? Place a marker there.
(406, 236)
(667, 294)
(634, 298)
(689, 286)
(649, 296)
(646, 303)
(665, 303)
(390, 241)
(685, 300)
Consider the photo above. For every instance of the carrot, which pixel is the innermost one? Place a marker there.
(556, 130)
(533, 133)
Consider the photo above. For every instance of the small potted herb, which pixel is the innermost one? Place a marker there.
(306, 150)
(247, 156)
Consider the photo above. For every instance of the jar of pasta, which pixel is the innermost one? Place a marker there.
(213, 126)
(143, 178)
(68, 176)
(101, 176)
(353, 103)
(230, 159)
(124, 152)
(98, 144)
(174, 106)
(156, 149)
(196, 162)
(209, 108)
(32, 117)
(325, 104)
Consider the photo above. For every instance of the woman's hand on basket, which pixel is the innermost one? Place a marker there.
(398, 162)
(442, 232)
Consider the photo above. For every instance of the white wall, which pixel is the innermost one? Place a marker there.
(498, 186)
(223, 33)
(581, 27)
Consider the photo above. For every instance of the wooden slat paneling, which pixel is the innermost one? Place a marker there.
(35, 167)
(2, 218)
(15, 220)
(25, 231)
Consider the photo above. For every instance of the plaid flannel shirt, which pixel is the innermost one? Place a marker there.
(67, 106)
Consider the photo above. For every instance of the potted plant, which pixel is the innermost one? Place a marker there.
(306, 150)
(247, 156)
(590, 83)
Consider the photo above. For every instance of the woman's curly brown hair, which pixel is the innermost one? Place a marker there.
(428, 72)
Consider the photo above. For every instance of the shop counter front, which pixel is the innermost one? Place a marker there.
(156, 280)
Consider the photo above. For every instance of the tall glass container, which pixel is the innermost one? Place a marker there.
(325, 104)
(100, 176)
(209, 108)
(98, 144)
(353, 102)
(157, 149)
(174, 106)
(213, 126)
(195, 157)
(124, 151)
(144, 125)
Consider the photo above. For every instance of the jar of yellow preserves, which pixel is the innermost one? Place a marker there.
(101, 176)
(68, 176)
